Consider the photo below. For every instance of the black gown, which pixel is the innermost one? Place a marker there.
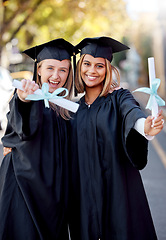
(34, 176)
(108, 200)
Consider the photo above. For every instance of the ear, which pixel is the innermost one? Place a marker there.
(39, 72)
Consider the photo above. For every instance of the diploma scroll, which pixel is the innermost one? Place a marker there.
(155, 100)
(61, 102)
(152, 77)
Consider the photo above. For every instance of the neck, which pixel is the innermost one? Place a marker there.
(91, 94)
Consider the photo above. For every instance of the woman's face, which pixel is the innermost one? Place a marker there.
(93, 71)
(54, 72)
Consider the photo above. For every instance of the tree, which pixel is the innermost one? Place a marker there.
(14, 15)
(37, 21)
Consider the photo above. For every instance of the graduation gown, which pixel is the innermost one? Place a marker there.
(108, 200)
(34, 176)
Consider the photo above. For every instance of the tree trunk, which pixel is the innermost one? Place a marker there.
(5, 24)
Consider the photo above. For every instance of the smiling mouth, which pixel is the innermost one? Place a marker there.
(53, 83)
(91, 77)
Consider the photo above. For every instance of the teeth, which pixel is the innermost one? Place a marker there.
(53, 82)
(90, 77)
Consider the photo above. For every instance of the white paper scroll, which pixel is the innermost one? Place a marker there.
(61, 102)
(152, 76)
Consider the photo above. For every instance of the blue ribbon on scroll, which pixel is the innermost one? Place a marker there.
(46, 95)
(153, 92)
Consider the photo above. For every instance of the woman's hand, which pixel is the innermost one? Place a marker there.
(153, 127)
(29, 88)
(6, 150)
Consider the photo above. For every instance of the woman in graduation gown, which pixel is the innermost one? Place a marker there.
(34, 175)
(109, 147)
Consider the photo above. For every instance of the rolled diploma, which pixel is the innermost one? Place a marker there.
(152, 76)
(62, 102)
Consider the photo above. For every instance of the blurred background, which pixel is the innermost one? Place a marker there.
(140, 24)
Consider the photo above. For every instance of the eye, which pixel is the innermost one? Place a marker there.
(100, 66)
(86, 64)
(50, 68)
(63, 70)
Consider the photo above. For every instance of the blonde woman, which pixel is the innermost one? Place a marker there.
(34, 175)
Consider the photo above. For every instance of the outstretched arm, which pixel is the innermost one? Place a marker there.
(154, 126)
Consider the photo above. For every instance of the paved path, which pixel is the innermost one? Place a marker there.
(154, 179)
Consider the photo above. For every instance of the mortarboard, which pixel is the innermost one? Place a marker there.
(58, 49)
(100, 47)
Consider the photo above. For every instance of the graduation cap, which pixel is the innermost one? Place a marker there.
(100, 47)
(58, 49)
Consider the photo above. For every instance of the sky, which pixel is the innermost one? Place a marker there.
(134, 6)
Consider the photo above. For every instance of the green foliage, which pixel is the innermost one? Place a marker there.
(36, 21)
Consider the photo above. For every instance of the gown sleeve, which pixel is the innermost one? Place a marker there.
(39, 165)
(135, 145)
(24, 119)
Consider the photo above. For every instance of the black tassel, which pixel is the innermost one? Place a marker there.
(35, 67)
(35, 71)
(74, 65)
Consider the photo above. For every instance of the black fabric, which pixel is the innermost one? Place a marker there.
(100, 47)
(34, 176)
(108, 200)
(58, 49)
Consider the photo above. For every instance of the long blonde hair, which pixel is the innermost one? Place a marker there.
(68, 85)
(108, 84)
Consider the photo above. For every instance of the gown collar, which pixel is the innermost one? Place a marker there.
(98, 101)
